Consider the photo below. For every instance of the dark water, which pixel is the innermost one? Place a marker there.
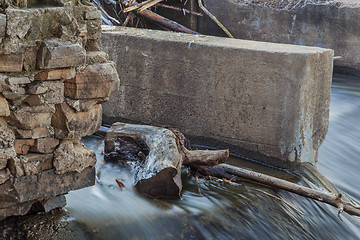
(217, 210)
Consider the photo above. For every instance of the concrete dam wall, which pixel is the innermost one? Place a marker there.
(266, 101)
(326, 24)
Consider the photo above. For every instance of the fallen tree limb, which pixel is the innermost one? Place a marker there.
(207, 12)
(338, 201)
(165, 22)
(179, 9)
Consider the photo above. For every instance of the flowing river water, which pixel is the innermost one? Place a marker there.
(218, 210)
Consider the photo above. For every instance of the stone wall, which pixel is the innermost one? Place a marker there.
(332, 25)
(266, 101)
(53, 78)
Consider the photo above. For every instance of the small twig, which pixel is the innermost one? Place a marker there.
(139, 5)
(126, 20)
(150, 4)
(282, 200)
(214, 19)
(179, 9)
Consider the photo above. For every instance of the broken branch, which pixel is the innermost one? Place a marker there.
(179, 9)
(337, 201)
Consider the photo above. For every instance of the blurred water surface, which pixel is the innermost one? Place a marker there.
(216, 210)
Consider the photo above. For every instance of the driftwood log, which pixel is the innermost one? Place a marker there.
(159, 175)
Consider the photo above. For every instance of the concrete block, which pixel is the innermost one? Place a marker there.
(266, 101)
(55, 54)
(95, 81)
(11, 62)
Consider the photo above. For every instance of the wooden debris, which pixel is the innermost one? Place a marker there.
(159, 175)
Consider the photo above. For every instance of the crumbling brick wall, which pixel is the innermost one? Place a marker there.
(53, 78)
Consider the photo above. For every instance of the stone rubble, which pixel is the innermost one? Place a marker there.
(53, 78)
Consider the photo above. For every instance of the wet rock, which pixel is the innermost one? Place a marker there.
(11, 62)
(73, 156)
(69, 124)
(54, 54)
(57, 74)
(95, 81)
(47, 205)
(4, 107)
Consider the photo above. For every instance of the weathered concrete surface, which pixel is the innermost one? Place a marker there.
(271, 99)
(327, 26)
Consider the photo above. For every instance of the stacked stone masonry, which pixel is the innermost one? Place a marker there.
(53, 78)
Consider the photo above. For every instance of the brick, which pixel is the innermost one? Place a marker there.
(55, 54)
(57, 74)
(11, 62)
